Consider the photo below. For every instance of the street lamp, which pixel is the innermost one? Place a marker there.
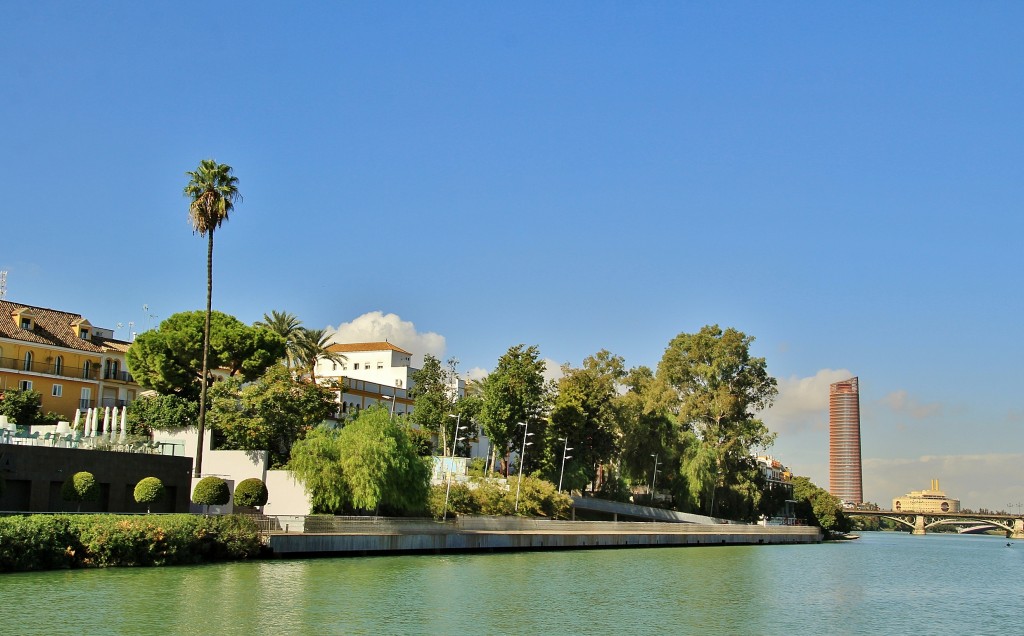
(654, 477)
(392, 400)
(455, 440)
(522, 459)
(565, 450)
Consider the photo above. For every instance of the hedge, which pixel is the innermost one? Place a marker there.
(48, 542)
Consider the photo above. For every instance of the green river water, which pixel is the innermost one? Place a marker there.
(884, 583)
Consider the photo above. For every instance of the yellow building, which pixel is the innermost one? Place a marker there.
(926, 501)
(62, 356)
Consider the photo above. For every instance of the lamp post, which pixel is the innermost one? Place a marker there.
(455, 440)
(654, 476)
(522, 459)
(565, 450)
(392, 400)
(1018, 506)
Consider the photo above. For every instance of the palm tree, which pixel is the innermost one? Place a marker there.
(213, 191)
(311, 346)
(286, 325)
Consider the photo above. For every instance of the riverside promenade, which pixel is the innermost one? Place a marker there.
(333, 536)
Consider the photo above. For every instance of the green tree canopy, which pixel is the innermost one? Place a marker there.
(286, 325)
(211, 491)
(270, 413)
(169, 358)
(161, 412)
(719, 388)
(251, 493)
(380, 464)
(311, 346)
(79, 488)
(316, 462)
(514, 392)
(21, 407)
(148, 491)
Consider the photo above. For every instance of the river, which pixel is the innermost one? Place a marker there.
(884, 583)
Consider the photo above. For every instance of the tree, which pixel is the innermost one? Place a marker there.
(148, 491)
(311, 345)
(211, 491)
(213, 191)
(316, 462)
(650, 432)
(251, 493)
(21, 407)
(169, 359)
(79, 488)
(818, 506)
(270, 413)
(585, 411)
(514, 392)
(161, 412)
(434, 399)
(719, 386)
(287, 326)
(380, 465)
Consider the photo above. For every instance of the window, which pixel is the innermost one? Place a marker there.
(356, 366)
(28, 361)
(86, 370)
(58, 365)
(26, 323)
(84, 334)
(25, 385)
(334, 366)
(380, 365)
(58, 390)
(398, 383)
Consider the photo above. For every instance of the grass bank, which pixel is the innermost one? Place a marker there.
(53, 542)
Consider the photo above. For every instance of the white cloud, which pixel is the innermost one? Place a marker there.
(901, 403)
(977, 480)
(552, 370)
(802, 403)
(376, 326)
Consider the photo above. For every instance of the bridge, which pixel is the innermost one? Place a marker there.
(920, 522)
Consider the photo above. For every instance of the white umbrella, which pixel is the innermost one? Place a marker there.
(113, 425)
(78, 420)
(124, 422)
(106, 421)
(88, 423)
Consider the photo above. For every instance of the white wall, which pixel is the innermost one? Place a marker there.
(287, 495)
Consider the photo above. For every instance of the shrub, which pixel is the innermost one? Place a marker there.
(211, 491)
(45, 542)
(251, 493)
(461, 500)
(149, 491)
(80, 487)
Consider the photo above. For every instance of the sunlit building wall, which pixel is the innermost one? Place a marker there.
(844, 469)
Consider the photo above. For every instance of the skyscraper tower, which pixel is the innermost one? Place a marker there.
(844, 472)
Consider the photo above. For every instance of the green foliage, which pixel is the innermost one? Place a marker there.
(80, 487)
(310, 346)
(461, 500)
(514, 392)
(537, 498)
(22, 407)
(149, 490)
(47, 542)
(316, 462)
(251, 493)
(211, 491)
(818, 506)
(719, 386)
(286, 325)
(380, 464)
(161, 412)
(271, 413)
(434, 400)
(585, 411)
(169, 359)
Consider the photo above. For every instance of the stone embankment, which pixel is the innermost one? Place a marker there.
(341, 537)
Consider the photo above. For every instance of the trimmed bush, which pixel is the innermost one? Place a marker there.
(251, 493)
(211, 491)
(47, 542)
(149, 491)
(537, 498)
(80, 487)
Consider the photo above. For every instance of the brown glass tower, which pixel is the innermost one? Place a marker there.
(844, 473)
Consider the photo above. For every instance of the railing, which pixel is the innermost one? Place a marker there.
(113, 402)
(91, 372)
(120, 376)
(85, 404)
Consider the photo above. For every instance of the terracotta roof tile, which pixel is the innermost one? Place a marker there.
(350, 347)
(53, 328)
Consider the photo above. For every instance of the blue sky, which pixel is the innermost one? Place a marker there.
(842, 182)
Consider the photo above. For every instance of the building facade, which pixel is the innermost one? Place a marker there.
(932, 501)
(63, 357)
(844, 460)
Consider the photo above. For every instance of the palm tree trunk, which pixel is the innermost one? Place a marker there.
(198, 471)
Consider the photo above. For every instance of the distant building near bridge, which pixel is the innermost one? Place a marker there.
(932, 500)
(844, 470)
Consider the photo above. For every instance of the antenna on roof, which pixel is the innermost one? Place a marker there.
(3, 284)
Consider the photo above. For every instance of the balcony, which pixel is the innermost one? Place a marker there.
(91, 372)
(120, 376)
